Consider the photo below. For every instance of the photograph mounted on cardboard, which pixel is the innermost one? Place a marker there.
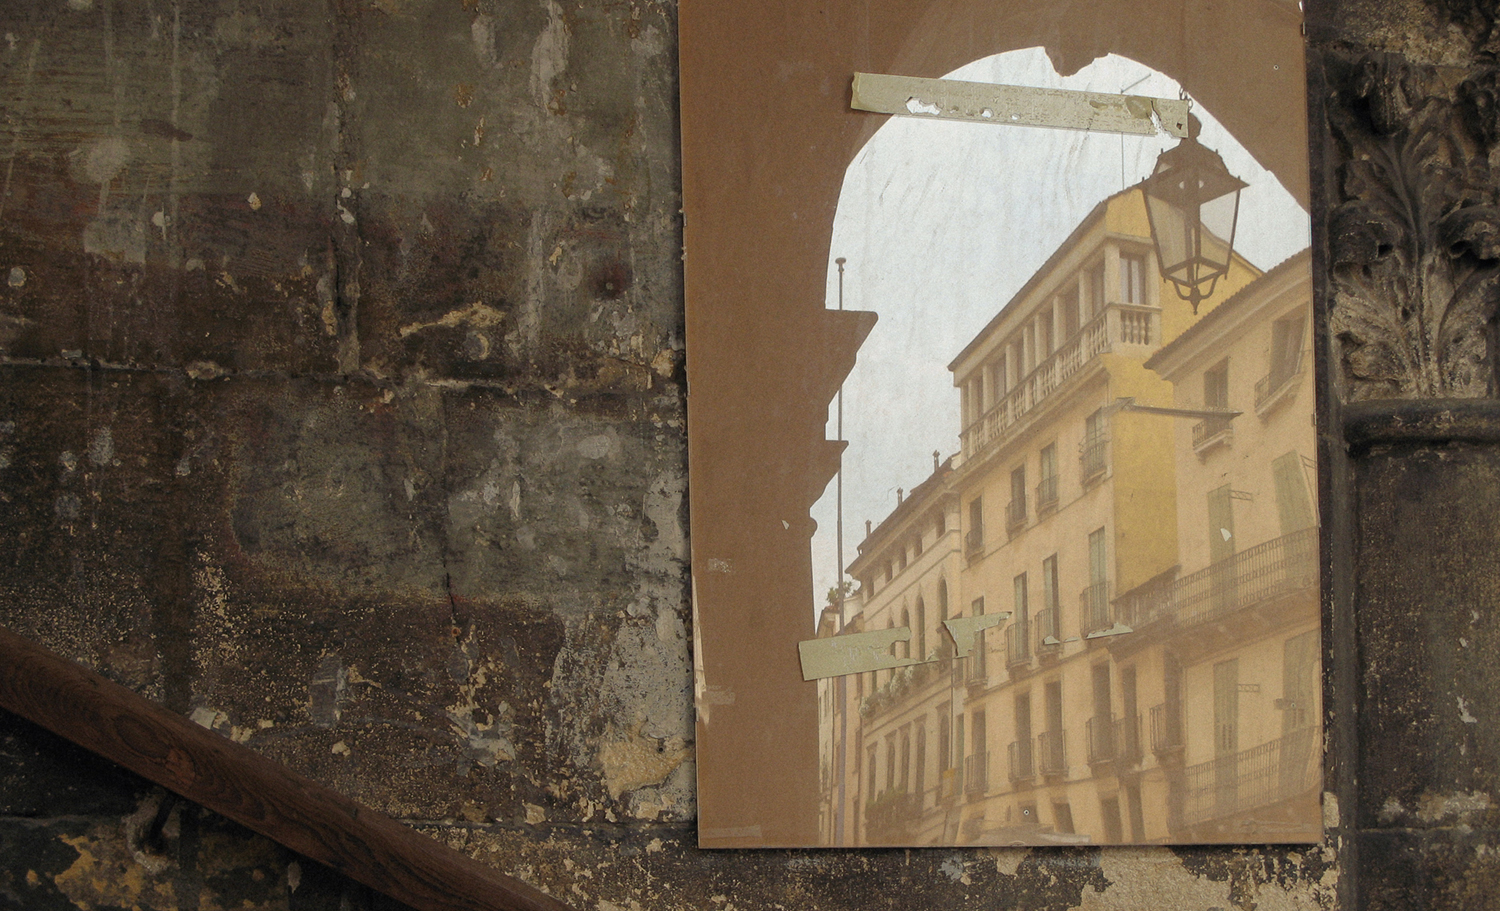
(1003, 499)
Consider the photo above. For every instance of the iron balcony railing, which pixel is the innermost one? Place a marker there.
(1119, 324)
(979, 671)
(1052, 753)
(1166, 727)
(1284, 768)
(1022, 766)
(1274, 382)
(1046, 494)
(1093, 603)
(1017, 644)
(1092, 458)
(974, 540)
(1048, 632)
(1099, 731)
(1210, 431)
(1015, 514)
(1266, 571)
(977, 774)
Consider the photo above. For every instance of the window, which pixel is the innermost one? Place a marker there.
(1068, 303)
(1063, 814)
(942, 523)
(890, 761)
(1015, 511)
(905, 778)
(1215, 398)
(1286, 347)
(919, 773)
(1045, 342)
(945, 738)
(1046, 488)
(1292, 502)
(978, 664)
(921, 631)
(1096, 597)
(1216, 387)
(1299, 682)
(1096, 290)
(1091, 453)
(1018, 633)
(975, 539)
(1049, 620)
(906, 622)
(1132, 278)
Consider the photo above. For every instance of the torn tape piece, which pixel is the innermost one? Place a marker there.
(964, 629)
(853, 653)
(1018, 105)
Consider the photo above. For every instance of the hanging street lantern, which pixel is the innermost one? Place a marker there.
(1193, 203)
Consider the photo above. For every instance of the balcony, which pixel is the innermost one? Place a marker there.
(1022, 766)
(978, 674)
(1274, 386)
(1099, 731)
(1052, 753)
(977, 775)
(1266, 572)
(1118, 325)
(1015, 515)
(1093, 607)
(1166, 727)
(1046, 495)
(1048, 633)
(1285, 768)
(1017, 644)
(1093, 459)
(1211, 432)
(974, 541)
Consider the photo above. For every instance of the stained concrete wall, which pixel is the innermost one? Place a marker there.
(342, 408)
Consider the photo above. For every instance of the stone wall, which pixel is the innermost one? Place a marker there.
(343, 409)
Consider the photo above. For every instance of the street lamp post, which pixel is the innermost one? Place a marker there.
(1193, 203)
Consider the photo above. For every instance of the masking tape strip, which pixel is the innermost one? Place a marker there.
(951, 99)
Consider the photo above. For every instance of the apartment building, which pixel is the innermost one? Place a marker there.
(1226, 644)
(1082, 717)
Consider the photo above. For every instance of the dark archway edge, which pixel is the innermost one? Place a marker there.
(767, 135)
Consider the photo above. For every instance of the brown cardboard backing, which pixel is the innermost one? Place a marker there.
(767, 133)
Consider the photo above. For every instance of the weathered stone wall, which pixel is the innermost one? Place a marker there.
(342, 408)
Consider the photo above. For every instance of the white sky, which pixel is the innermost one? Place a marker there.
(942, 222)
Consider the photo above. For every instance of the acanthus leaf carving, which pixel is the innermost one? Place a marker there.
(1415, 234)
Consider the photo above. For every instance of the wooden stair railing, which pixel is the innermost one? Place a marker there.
(236, 782)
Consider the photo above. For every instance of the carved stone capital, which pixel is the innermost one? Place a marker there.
(1414, 229)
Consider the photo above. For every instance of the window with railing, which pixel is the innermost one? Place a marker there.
(1166, 727)
(1214, 430)
(974, 538)
(1092, 451)
(1022, 768)
(1047, 631)
(1094, 608)
(1286, 360)
(1017, 633)
(1046, 488)
(1051, 753)
(1099, 731)
(977, 774)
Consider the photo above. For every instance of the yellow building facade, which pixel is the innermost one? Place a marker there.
(1066, 509)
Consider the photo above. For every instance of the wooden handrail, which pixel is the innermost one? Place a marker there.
(236, 782)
